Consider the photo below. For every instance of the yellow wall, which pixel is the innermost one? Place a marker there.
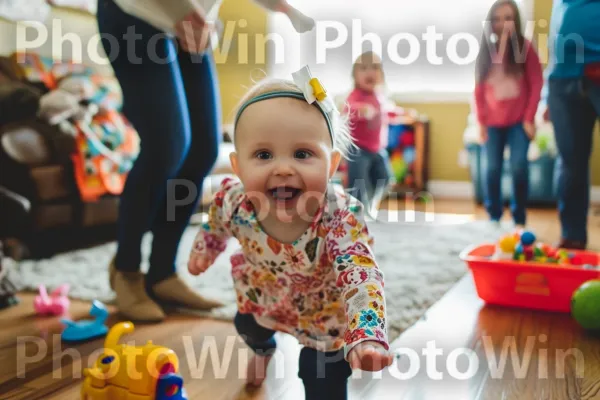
(239, 67)
(446, 128)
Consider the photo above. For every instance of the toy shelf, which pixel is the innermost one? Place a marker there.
(408, 151)
(409, 155)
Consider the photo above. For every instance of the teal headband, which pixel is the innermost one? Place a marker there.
(284, 93)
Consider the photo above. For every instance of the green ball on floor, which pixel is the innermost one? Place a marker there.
(585, 305)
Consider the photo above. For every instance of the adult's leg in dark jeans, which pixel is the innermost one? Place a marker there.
(185, 189)
(518, 142)
(573, 117)
(324, 374)
(144, 61)
(494, 148)
(154, 101)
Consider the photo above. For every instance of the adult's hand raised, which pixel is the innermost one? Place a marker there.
(194, 32)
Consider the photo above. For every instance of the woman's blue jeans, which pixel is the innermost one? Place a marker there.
(172, 99)
(518, 142)
(574, 106)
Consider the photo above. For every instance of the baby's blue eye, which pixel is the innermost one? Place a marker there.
(302, 154)
(263, 155)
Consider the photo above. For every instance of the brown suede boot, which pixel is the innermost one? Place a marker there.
(176, 292)
(132, 299)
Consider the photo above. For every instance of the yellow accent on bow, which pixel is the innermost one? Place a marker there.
(318, 89)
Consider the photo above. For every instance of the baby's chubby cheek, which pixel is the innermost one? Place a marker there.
(313, 195)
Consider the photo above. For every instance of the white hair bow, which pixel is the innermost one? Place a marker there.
(313, 89)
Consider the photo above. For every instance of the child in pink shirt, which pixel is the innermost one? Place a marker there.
(507, 93)
(369, 170)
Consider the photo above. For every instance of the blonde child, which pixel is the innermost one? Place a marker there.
(369, 170)
(306, 265)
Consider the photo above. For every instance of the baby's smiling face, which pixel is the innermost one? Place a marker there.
(284, 157)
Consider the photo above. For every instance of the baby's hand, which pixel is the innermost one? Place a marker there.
(198, 263)
(370, 356)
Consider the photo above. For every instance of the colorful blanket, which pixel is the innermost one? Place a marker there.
(107, 144)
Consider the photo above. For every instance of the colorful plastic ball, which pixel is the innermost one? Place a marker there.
(518, 254)
(519, 248)
(528, 252)
(538, 252)
(562, 253)
(527, 238)
(585, 305)
(548, 250)
(507, 244)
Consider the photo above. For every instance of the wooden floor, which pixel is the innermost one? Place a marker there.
(461, 349)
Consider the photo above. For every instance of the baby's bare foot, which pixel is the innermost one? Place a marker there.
(257, 370)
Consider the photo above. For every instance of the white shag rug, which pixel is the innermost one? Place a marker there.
(419, 261)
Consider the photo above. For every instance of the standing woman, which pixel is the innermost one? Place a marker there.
(171, 96)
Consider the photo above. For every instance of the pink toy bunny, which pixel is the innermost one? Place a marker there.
(55, 304)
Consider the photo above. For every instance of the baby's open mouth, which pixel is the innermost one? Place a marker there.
(284, 193)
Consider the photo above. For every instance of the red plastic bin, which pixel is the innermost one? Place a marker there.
(528, 284)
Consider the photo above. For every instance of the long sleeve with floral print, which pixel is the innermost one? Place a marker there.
(325, 288)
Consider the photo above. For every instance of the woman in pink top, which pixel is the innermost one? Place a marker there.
(507, 92)
(369, 169)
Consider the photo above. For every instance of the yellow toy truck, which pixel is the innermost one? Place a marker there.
(125, 372)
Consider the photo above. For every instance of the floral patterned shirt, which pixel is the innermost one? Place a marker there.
(325, 288)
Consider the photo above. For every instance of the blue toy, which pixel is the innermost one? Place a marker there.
(527, 238)
(87, 329)
(170, 387)
(519, 250)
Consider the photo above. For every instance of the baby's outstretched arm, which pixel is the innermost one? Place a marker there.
(366, 343)
(212, 238)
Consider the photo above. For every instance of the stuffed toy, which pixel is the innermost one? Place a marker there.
(68, 101)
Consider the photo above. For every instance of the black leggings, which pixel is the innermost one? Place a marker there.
(324, 374)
